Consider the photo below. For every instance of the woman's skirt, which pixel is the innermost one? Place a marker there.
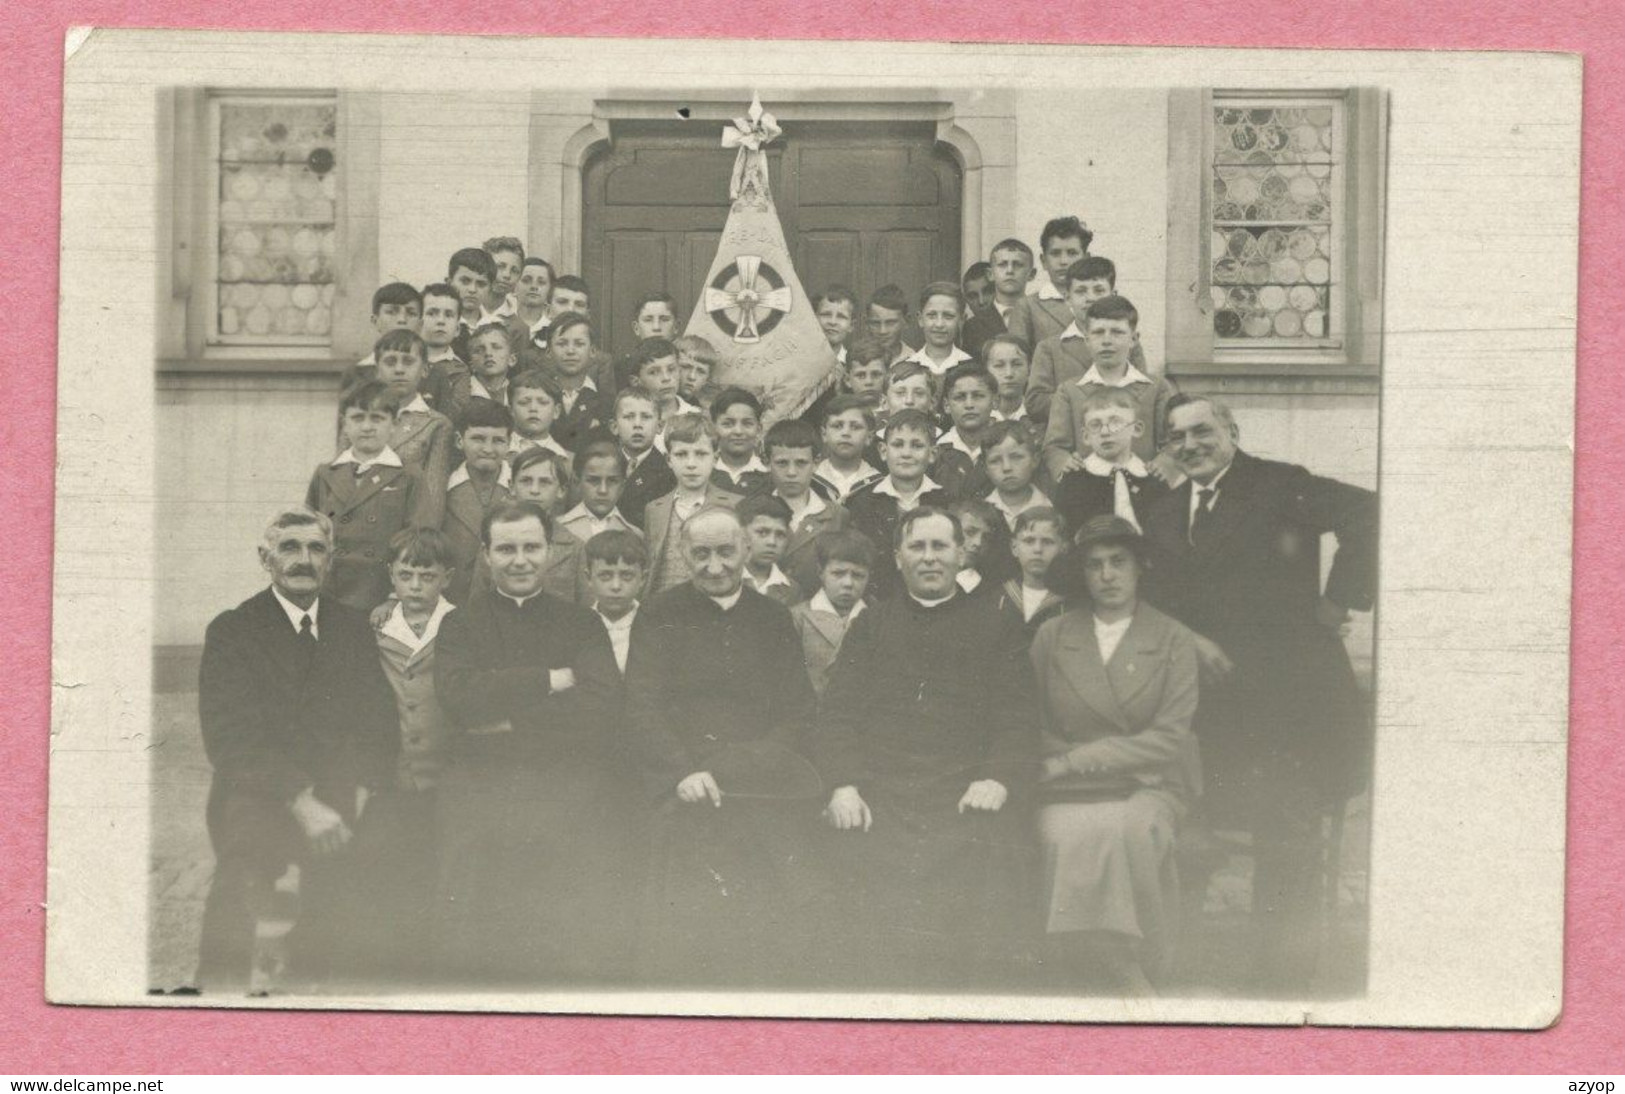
(1109, 866)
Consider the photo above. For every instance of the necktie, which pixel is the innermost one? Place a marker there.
(307, 642)
(1122, 497)
(1203, 517)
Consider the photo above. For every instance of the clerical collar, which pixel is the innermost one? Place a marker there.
(924, 603)
(726, 603)
(519, 601)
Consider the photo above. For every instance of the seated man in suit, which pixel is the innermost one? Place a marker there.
(299, 725)
(1284, 735)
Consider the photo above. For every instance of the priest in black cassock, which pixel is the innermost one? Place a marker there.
(539, 834)
(928, 735)
(720, 703)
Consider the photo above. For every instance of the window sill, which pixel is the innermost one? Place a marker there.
(253, 366)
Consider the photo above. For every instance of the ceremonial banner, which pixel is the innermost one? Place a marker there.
(752, 306)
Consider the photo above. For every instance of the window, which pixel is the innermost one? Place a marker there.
(273, 192)
(1275, 232)
(270, 217)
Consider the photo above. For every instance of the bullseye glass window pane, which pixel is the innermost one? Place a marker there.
(1273, 182)
(277, 175)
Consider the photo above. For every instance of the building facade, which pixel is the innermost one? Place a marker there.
(1246, 226)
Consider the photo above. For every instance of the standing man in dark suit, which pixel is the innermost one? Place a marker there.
(300, 727)
(1283, 732)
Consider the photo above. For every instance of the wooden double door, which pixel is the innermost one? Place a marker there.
(862, 205)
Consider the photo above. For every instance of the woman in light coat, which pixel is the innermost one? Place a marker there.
(1117, 680)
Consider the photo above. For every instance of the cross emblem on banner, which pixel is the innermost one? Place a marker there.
(747, 299)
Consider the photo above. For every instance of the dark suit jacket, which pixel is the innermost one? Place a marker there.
(1081, 495)
(982, 326)
(652, 478)
(275, 721)
(587, 420)
(799, 559)
(1252, 585)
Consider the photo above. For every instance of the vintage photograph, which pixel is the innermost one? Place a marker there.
(809, 538)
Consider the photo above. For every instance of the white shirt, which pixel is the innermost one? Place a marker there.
(633, 462)
(296, 613)
(1196, 495)
(1097, 466)
(1131, 375)
(461, 475)
(1000, 416)
(811, 505)
(399, 629)
(967, 580)
(385, 458)
(939, 367)
(842, 482)
(620, 633)
(1032, 599)
(444, 353)
(518, 444)
(840, 355)
(540, 325)
(1048, 291)
(821, 603)
(953, 440)
(684, 506)
(775, 577)
(477, 390)
(418, 405)
(753, 464)
(1036, 500)
(1122, 497)
(1109, 635)
(1071, 331)
(904, 504)
(611, 521)
(727, 602)
(572, 397)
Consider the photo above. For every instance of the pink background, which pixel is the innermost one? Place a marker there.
(41, 1039)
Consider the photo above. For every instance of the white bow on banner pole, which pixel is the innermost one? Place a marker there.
(753, 308)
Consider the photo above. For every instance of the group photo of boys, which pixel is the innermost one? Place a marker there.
(752, 632)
